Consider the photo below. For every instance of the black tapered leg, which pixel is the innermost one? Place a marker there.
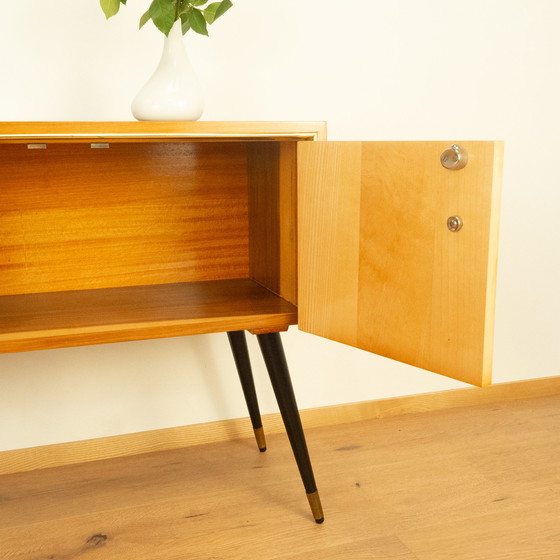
(275, 359)
(238, 344)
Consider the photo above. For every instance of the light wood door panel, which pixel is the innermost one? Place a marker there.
(378, 267)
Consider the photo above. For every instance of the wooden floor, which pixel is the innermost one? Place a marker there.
(476, 483)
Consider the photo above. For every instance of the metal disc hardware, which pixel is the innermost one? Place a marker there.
(454, 158)
(454, 223)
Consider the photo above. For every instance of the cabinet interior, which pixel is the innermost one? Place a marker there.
(129, 239)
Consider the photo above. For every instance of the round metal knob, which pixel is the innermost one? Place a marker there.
(454, 223)
(454, 158)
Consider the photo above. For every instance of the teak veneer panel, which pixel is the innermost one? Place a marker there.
(59, 319)
(272, 169)
(147, 131)
(123, 231)
(379, 268)
(354, 233)
(72, 217)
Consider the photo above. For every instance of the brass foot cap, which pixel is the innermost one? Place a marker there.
(261, 441)
(316, 507)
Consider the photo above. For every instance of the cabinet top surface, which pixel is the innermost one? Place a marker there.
(150, 130)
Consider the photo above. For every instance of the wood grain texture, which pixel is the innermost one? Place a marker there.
(264, 218)
(287, 208)
(471, 483)
(272, 178)
(59, 319)
(165, 131)
(21, 460)
(160, 204)
(425, 296)
(75, 218)
(329, 191)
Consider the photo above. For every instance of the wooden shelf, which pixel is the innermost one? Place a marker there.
(74, 318)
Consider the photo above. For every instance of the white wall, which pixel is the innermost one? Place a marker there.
(372, 69)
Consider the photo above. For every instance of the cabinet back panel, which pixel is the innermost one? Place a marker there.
(73, 217)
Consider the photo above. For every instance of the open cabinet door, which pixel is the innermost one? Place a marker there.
(379, 267)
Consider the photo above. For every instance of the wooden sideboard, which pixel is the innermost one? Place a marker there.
(125, 231)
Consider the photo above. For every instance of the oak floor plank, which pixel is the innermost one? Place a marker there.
(520, 535)
(471, 483)
(384, 548)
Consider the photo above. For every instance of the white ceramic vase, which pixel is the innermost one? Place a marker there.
(173, 93)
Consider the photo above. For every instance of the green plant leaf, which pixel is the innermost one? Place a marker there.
(184, 7)
(198, 23)
(224, 6)
(185, 23)
(146, 17)
(163, 14)
(213, 11)
(110, 7)
(185, 14)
